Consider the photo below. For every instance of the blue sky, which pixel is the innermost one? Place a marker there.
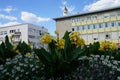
(42, 12)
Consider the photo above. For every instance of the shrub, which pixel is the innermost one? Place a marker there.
(21, 68)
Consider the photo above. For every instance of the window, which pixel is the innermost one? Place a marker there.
(31, 36)
(88, 18)
(73, 20)
(73, 29)
(118, 14)
(94, 26)
(118, 23)
(113, 24)
(38, 37)
(82, 19)
(94, 17)
(78, 28)
(32, 30)
(100, 25)
(5, 32)
(106, 16)
(106, 24)
(1, 33)
(88, 26)
(12, 31)
(83, 27)
(18, 30)
(78, 19)
(107, 36)
(95, 38)
(91, 26)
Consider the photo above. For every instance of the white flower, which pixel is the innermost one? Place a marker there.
(8, 63)
(107, 57)
(118, 69)
(118, 77)
(18, 68)
(13, 71)
(22, 70)
(33, 69)
(16, 78)
(115, 62)
(109, 65)
(26, 73)
(97, 56)
(7, 73)
(31, 65)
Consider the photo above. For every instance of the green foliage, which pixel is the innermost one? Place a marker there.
(23, 48)
(21, 68)
(73, 62)
(92, 49)
(59, 62)
(6, 50)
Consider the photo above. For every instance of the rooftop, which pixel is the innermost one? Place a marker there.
(86, 13)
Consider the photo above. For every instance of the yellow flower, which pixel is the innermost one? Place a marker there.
(56, 32)
(61, 43)
(31, 47)
(113, 46)
(17, 51)
(74, 36)
(46, 39)
(14, 47)
(75, 39)
(80, 42)
(107, 45)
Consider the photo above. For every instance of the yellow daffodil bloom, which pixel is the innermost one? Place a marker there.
(107, 45)
(61, 43)
(17, 51)
(14, 47)
(113, 46)
(74, 36)
(46, 38)
(56, 32)
(75, 39)
(80, 42)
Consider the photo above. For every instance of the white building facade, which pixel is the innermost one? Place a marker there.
(28, 33)
(93, 26)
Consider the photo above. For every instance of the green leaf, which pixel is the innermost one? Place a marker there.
(44, 56)
(7, 43)
(75, 54)
(68, 46)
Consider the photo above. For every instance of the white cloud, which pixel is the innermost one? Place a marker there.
(102, 4)
(8, 9)
(8, 17)
(30, 17)
(9, 24)
(69, 7)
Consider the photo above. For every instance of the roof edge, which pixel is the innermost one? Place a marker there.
(86, 13)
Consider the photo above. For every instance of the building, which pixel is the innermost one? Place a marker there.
(93, 26)
(28, 33)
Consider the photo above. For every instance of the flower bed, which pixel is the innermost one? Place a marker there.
(67, 58)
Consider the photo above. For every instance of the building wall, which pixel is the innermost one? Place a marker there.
(34, 35)
(93, 27)
(10, 30)
(23, 32)
(63, 25)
